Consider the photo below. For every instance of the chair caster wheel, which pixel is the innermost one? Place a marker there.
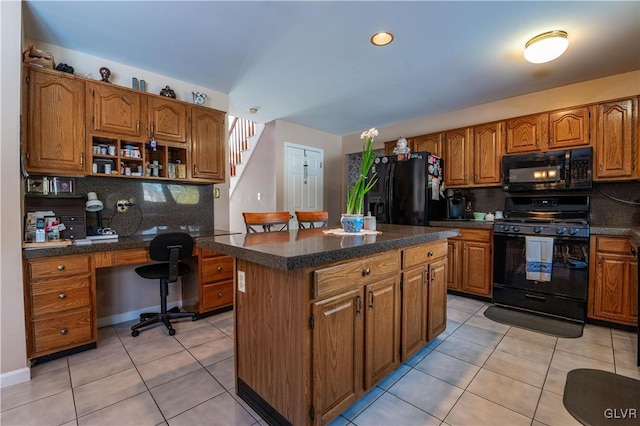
(135, 333)
(172, 331)
(194, 318)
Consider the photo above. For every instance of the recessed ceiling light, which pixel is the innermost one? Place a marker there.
(546, 47)
(381, 38)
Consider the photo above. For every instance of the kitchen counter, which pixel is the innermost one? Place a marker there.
(463, 223)
(306, 247)
(122, 243)
(608, 230)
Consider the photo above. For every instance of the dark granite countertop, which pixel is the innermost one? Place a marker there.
(122, 243)
(295, 249)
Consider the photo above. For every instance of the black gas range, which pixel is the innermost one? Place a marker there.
(561, 223)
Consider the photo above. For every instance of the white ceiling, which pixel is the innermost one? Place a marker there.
(311, 63)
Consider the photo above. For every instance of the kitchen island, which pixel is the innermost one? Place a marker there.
(319, 319)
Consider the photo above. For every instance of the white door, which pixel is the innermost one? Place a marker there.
(304, 179)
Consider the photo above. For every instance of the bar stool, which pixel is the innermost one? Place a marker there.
(270, 221)
(312, 219)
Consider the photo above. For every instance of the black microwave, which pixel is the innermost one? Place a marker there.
(556, 170)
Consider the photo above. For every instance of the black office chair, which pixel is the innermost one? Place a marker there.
(168, 248)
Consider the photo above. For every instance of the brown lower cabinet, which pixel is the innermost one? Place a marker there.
(470, 268)
(311, 354)
(60, 294)
(613, 280)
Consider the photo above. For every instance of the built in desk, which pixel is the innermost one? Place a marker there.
(60, 289)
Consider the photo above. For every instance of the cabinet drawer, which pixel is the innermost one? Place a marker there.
(61, 295)
(73, 328)
(481, 235)
(339, 278)
(60, 267)
(217, 269)
(620, 245)
(130, 257)
(423, 254)
(210, 253)
(217, 295)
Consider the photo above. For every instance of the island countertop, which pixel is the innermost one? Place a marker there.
(287, 250)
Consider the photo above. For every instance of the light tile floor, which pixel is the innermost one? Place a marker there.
(478, 372)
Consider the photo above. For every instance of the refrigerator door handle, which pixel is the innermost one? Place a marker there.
(389, 200)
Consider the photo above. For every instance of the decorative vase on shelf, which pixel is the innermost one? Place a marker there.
(352, 222)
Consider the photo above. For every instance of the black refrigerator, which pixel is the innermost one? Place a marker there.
(409, 190)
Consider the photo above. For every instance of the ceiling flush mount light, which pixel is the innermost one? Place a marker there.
(381, 38)
(253, 110)
(546, 47)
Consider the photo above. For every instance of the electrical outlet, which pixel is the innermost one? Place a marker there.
(241, 282)
(123, 206)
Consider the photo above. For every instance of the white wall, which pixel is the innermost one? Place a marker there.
(13, 352)
(121, 75)
(258, 179)
(331, 144)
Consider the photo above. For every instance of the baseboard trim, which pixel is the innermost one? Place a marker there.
(133, 315)
(14, 377)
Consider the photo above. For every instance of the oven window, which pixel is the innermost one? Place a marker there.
(569, 275)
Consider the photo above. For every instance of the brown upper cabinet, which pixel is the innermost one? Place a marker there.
(616, 140)
(54, 141)
(168, 119)
(569, 128)
(457, 151)
(527, 134)
(472, 156)
(388, 147)
(207, 144)
(432, 143)
(115, 110)
(488, 140)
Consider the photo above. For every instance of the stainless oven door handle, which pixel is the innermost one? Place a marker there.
(534, 296)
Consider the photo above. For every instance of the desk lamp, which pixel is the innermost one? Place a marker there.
(95, 206)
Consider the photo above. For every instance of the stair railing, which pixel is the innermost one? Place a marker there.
(240, 131)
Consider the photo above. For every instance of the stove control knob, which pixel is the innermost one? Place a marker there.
(561, 231)
(506, 227)
(537, 229)
(516, 229)
(573, 231)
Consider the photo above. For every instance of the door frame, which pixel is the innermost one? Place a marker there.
(287, 164)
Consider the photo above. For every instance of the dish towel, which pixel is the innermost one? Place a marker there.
(539, 255)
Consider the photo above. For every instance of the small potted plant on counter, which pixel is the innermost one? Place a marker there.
(353, 220)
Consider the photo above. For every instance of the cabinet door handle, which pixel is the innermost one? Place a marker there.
(433, 274)
(371, 299)
(429, 253)
(62, 296)
(64, 331)
(60, 267)
(219, 268)
(358, 305)
(138, 127)
(195, 168)
(82, 159)
(366, 272)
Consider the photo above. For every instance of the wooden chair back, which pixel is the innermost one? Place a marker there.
(270, 221)
(312, 219)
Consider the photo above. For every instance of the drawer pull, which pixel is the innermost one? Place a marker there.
(219, 268)
(536, 297)
(220, 294)
(62, 296)
(429, 253)
(60, 267)
(366, 272)
(64, 331)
